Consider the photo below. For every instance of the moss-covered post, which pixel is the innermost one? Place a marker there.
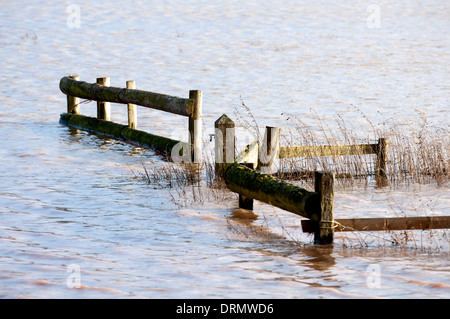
(103, 108)
(73, 102)
(132, 114)
(324, 229)
(224, 129)
(195, 126)
(270, 190)
(269, 150)
(381, 169)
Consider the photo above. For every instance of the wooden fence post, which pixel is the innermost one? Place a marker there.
(103, 108)
(381, 170)
(224, 129)
(73, 102)
(269, 150)
(324, 185)
(132, 114)
(246, 202)
(195, 126)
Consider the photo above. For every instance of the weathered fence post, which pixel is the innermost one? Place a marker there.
(224, 129)
(381, 170)
(269, 150)
(195, 126)
(73, 102)
(132, 114)
(324, 185)
(246, 202)
(103, 108)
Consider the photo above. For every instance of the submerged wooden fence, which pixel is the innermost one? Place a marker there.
(104, 95)
(250, 173)
(241, 176)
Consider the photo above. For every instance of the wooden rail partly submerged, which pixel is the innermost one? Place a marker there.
(104, 95)
(241, 176)
(377, 224)
(317, 206)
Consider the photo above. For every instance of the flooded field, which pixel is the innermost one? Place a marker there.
(78, 220)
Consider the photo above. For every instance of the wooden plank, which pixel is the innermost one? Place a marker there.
(377, 224)
(265, 188)
(326, 150)
(96, 92)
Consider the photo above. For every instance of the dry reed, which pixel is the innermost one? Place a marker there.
(419, 151)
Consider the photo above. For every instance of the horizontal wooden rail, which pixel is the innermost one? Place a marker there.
(243, 180)
(380, 150)
(157, 143)
(379, 224)
(104, 95)
(98, 92)
(327, 150)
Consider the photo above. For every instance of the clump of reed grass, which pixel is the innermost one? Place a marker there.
(419, 151)
(167, 175)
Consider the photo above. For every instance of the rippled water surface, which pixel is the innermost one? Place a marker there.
(73, 203)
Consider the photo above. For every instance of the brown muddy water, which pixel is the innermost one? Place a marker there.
(78, 222)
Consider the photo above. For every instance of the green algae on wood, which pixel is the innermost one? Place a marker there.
(160, 144)
(265, 188)
(92, 124)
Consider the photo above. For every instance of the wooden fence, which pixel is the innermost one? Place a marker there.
(104, 95)
(241, 177)
(380, 149)
(239, 172)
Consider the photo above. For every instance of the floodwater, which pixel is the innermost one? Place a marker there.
(76, 221)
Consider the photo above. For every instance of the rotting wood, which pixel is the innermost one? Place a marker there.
(96, 92)
(265, 188)
(383, 224)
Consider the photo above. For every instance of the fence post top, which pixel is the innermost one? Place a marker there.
(224, 119)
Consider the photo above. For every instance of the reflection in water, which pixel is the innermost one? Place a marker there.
(321, 257)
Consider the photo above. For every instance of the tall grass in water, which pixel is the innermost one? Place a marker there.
(419, 151)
